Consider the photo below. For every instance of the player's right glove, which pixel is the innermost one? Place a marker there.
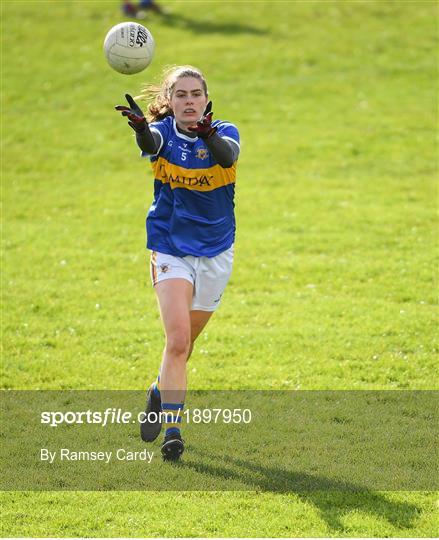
(136, 118)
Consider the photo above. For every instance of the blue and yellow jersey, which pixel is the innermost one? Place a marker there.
(193, 208)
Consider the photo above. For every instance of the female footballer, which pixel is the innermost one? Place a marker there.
(190, 227)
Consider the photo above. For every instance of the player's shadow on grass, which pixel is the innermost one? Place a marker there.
(206, 26)
(333, 498)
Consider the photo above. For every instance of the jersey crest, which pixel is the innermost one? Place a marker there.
(202, 153)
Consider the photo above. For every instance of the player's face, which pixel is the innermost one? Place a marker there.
(188, 101)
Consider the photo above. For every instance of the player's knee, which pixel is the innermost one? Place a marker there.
(178, 344)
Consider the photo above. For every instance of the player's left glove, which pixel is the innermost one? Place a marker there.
(204, 128)
(134, 113)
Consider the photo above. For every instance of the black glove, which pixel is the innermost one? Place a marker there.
(134, 113)
(204, 128)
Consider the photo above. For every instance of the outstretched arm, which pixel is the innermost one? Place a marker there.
(224, 151)
(148, 142)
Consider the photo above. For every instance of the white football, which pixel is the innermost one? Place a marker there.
(129, 47)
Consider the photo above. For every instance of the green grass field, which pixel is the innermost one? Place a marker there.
(334, 284)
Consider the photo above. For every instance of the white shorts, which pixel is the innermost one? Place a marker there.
(208, 275)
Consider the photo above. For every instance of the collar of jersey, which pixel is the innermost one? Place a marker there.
(181, 135)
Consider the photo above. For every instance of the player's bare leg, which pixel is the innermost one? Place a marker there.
(175, 299)
(182, 327)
